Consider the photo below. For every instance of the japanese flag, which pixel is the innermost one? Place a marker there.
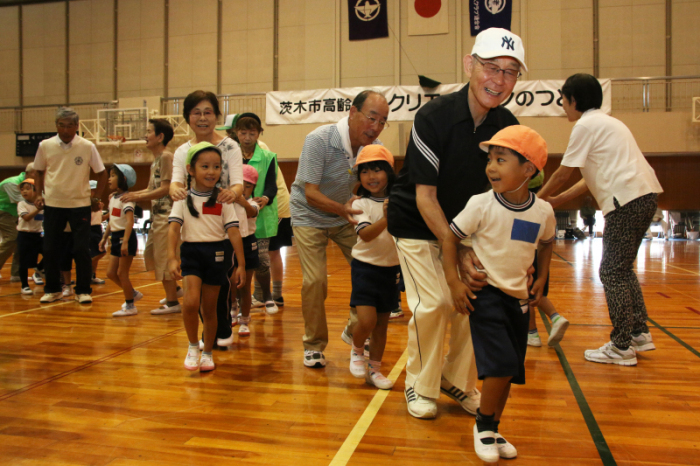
(427, 17)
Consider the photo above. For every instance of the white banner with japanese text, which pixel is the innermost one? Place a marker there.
(528, 99)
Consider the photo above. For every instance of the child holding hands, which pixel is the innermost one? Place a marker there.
(123, 238)
(506, 224)
(375, 266)
(206, 226)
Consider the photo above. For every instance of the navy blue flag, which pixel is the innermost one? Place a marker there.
(368, 19)
(484, 14)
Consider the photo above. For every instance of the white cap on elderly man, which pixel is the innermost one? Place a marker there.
(498, 42)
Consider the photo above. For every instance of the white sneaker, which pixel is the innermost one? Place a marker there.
(83, 298)
(346, 337)
(164, 309)
(314, 359)
(163, 301)
(180, 294)
(38, 279)
(97, 281)
(487, 453)
(611, 354)
(27, 290)
(533, 339)
(271, 308)
(556, 333)
(505, 448)
(243, 330)
(469, 401)
(206, 363)
(357, 364)
(643, 342)
(137, 296)
(254, 303)
(225, 341)
(67, 291)
(192, 360)
(396, 314)
(51, 297)
(420, 406)
(377, 379)
(127, 311)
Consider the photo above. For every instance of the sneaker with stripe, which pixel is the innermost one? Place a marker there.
(420, 406)
(642, 342)
(469, 401)
(611, 354)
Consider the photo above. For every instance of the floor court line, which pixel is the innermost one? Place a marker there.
(601, 445)
(355, 436)
(61, 375)
(49, 306)
(678, 340)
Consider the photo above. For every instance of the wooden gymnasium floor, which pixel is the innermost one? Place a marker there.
(78, 387)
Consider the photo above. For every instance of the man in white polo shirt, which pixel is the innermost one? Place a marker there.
(63, 164)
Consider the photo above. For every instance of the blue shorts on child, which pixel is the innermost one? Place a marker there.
(499, 333)
(375, 286)
(206, 261)
(250, 253)
(118, 238)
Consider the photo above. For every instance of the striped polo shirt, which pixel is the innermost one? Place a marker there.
(324, 162)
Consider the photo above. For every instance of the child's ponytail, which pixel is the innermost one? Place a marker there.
(190, 203)
(211, 202)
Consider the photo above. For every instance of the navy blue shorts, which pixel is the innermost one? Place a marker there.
(374, 286)
(95, 238)
(284, 235)
(207, 261)
(117, 238)
(499, 332)
(534, 277)
(250, 253)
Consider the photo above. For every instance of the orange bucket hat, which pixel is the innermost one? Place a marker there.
(523, 140)
(373, 153)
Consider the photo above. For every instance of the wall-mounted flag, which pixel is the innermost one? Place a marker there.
(367, 19)
(426, 17)
(484, 14)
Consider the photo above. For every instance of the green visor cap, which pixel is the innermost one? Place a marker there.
(537, 181)
(197, 148)
(229, 122)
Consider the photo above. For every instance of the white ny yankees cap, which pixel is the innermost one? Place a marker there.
(497, 42)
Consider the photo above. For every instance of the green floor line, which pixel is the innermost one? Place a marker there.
(681, 342)
(596, 434)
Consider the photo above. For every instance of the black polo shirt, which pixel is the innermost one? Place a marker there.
(443, 151)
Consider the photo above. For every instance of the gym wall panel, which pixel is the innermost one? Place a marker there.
(192, 48)
(685, 43)
(9, 57)
(140, 51)
(44, 49)
(91, 51)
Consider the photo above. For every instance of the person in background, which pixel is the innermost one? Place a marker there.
(158, 134)
(29, 228)
(63, 164)
(9, 197)
(98, 216)
(626, 189)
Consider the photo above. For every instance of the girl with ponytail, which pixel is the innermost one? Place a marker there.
(208, 229)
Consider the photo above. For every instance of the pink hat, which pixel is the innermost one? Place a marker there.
(250, 174)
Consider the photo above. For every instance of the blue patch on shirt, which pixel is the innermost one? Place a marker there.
(39, 217)
(524, 231)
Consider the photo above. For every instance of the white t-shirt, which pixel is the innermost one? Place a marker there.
(610, 160)
(212, 223)
(117, 212)
(381, 251)
(231, 170)
(31, 226)
(505, 237)
(67, 170)
(252, 220)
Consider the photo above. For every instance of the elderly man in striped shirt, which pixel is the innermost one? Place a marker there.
(320, 203)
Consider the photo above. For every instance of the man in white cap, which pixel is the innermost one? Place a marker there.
(443, 168)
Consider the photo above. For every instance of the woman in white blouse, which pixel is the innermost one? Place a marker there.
(626, 189)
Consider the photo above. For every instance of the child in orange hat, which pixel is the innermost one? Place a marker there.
(375, 266)
(506, 226)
